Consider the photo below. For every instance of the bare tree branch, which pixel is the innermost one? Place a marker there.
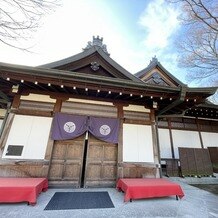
(198, 44)
(19, 18)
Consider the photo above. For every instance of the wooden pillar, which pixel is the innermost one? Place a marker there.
(120, 116)
(50, 145)
(155, 143)
(7, 126)
(171, 138)
(58, 105)
(16, 101)
(199, 132)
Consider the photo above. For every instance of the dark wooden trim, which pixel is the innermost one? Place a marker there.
(199, 132)
(58, 105)
(155, 142)
(158, 146)
(120, 142)
(120, 114)
(171, 138)
(16, 101)
(137, 164)
(140, 122)
(187, 129)
(32, 112)
(6, 130)
(48, 153)
(178, 101)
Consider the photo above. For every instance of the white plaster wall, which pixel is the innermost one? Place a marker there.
(32, 132)
(1, 121)
(209, 139)
(2, 112)
(137, 143)
(90, 101)
(164, 142)
(36, 97)
(188, 139)
(137, 108)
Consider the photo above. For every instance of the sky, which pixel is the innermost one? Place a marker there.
(133, 30)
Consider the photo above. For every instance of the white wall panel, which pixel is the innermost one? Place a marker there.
(137, 143)
(19, 131)
(130, 143)
(164, 142)
(32, 132)
(210, 139)
(188, 139)
(38, 138)
(1, 121)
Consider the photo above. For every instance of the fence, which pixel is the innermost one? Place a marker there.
(213, 151)
(195, 162)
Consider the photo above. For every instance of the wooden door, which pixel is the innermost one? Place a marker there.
(101, 163)
(66, 162)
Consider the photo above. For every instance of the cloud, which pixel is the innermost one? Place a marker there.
(65, 32)
(160, 22)
(160, 27)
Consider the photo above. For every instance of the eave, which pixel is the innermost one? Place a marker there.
(169, 99)
(13, 71)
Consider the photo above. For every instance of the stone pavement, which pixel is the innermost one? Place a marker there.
(196, 203)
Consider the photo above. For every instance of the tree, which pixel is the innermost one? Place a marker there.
(198, 45)
(20, 17)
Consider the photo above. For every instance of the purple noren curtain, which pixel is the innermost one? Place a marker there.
(66, 126)
(106, 129)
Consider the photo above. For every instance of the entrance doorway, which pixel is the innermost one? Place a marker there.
(83, 162)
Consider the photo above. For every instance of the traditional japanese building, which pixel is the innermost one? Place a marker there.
(86, 121)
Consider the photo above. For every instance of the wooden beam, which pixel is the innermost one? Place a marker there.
(58, 105)
(120, 115)
(3, 101)
(199, 132)
(171, 138)
(16, 101)
(32, 112)
(4, 96)
(176, 102)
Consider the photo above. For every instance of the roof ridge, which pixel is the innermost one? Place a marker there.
(154, 63)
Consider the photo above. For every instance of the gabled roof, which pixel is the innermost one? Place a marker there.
(42, 72)
(94, 48)
(147, 73)
(77, 76)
